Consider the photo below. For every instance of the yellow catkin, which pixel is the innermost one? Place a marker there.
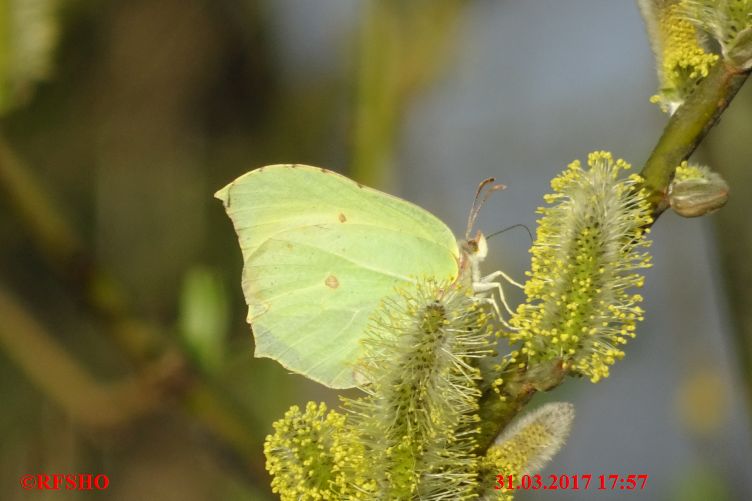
(683, 61)
(310, 456)
(591, 241)
(525, 447)
(729, 22)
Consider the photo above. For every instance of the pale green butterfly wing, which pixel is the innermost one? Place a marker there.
(320, 252)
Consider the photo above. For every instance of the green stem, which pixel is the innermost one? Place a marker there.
(377, 101)
(64, 252)
(519, 387)
(681, 136)
(688, 126)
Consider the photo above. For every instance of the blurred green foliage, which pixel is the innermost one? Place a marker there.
(204, 317)
(123, 117)
(28, 34)
(113, 142)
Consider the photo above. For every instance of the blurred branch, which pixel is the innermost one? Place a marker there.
(49, 366)
(688, 126)
(402, 47)
(732, 157)
(143, 342)
(45, 224)
(60, 246)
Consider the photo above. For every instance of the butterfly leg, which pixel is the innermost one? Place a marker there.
(484, 287)
(498, 273)
(489, 284)
(495, 304)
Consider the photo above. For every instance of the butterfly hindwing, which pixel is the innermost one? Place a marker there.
(320, 252)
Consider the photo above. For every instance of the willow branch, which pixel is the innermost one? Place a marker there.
(521, 383)
(688, 126)
(681, 136)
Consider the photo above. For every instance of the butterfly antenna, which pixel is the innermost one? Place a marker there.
(529, 233)
(479, 201)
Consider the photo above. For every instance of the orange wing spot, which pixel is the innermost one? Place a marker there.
(331, 282)
(342, 218)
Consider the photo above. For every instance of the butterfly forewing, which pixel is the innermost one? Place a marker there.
(320, 252)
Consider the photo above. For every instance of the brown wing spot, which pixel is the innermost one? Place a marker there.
(323, 170)
(360, 185)
(331, 282)
(260, 169)
(342, 218)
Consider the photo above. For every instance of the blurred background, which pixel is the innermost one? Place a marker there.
(123, 343)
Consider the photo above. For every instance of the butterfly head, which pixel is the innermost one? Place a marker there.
(475, 249)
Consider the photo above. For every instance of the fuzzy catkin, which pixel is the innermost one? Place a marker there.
(681, 57)
(729, 22)
(310, 456)
(524, 448)
(591, 243)
(419, 419)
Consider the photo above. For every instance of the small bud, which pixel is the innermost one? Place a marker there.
(527, 445)
(539, 435)
(696, 191)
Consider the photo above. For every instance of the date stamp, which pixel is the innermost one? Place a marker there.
(603, 482)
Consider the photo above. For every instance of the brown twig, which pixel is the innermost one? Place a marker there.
(49, 366)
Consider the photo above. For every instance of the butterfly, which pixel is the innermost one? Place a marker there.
(321, 251)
